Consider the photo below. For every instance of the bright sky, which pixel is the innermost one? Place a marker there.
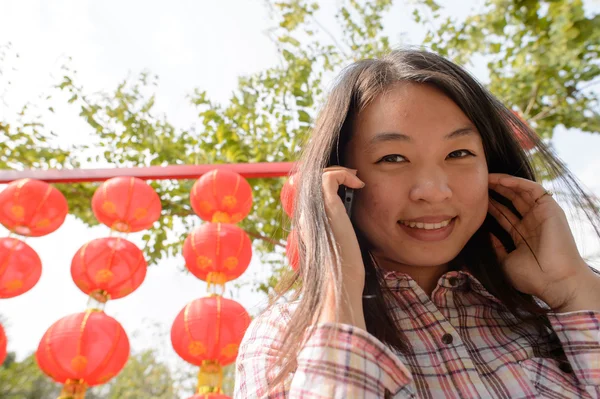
(189, 44)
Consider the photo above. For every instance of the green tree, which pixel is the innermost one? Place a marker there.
(24, 380)
(143, 377)
(541, 58)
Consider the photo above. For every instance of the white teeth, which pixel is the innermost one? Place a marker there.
(426, 226)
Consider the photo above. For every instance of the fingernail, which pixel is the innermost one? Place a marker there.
(363, 184)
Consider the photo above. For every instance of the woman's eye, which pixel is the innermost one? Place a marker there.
(460, 154)
(394, 158)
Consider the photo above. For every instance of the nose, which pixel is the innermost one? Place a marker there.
(430, 185)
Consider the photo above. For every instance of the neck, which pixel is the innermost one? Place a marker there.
(426, 277)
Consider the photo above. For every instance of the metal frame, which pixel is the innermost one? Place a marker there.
(176, 172)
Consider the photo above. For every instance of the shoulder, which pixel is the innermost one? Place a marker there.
(269, 325)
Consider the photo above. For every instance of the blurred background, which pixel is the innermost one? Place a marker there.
(96, 84)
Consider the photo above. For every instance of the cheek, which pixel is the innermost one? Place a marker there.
(378, 201)
(471, 191)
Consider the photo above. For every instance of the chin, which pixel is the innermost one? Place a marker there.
(426, 258)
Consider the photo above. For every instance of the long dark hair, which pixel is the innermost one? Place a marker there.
(357, 86)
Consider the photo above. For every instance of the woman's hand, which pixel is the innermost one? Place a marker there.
(353, 269)
(546, 262)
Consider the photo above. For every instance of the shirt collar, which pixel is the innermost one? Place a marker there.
(455, 279)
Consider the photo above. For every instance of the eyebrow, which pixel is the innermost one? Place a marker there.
(394, 136)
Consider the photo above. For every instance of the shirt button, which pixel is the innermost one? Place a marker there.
(447, 339)
(453, 281)
(566, 367)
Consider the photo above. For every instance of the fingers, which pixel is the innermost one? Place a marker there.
(517, 200)
(528, 191)
(332, 179)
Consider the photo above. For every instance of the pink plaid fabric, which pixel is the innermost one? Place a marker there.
(464, 344)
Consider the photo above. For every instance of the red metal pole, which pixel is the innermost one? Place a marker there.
(176, 172)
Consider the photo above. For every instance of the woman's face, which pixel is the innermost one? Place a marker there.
(426, 176)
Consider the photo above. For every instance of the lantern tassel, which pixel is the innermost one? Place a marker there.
(73, 389)
(214, 280)
(210, 377)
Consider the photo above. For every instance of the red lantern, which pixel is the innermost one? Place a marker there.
(525, 142)
(209, 330)
(217, 253)
(126, 204)
(108, 268)
(291, 250)
(20, 267)
(221, 196)
(83, 349)
(288, 196)
(2, 345)
(32, 208)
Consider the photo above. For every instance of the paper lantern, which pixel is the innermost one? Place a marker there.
(288, 196)
(221, 196)
(83, 349)
(126, 204)
(3, 345)
(217, 253)
(291, 250)
(20, 267)
(32, 208)
(522, 137)
(209, 330)
(108, 268)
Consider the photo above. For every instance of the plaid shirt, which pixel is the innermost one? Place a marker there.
(464, 344)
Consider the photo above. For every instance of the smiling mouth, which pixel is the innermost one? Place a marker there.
(427, 226)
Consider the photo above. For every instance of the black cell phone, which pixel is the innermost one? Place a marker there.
(347, 196)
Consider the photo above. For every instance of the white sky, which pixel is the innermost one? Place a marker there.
(189, 44)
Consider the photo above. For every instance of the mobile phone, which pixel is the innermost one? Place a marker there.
(347, 196)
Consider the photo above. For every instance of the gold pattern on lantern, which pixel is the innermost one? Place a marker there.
(196, 348)
(229, 201)
(140, 213)
(229, 350)
(104, 276)
(221, 217)
(79, 363)
(231, 262)
(125, 291)
(43, 223)
(13, 285)
(203, 262)
(109, 207)
(17, 211)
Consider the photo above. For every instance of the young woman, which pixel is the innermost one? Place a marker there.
(456, 276)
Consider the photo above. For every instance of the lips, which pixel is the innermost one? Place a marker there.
(423, 231)
(426, 226)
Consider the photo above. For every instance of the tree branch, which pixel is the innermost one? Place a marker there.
(267, 239)
(532, 100)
